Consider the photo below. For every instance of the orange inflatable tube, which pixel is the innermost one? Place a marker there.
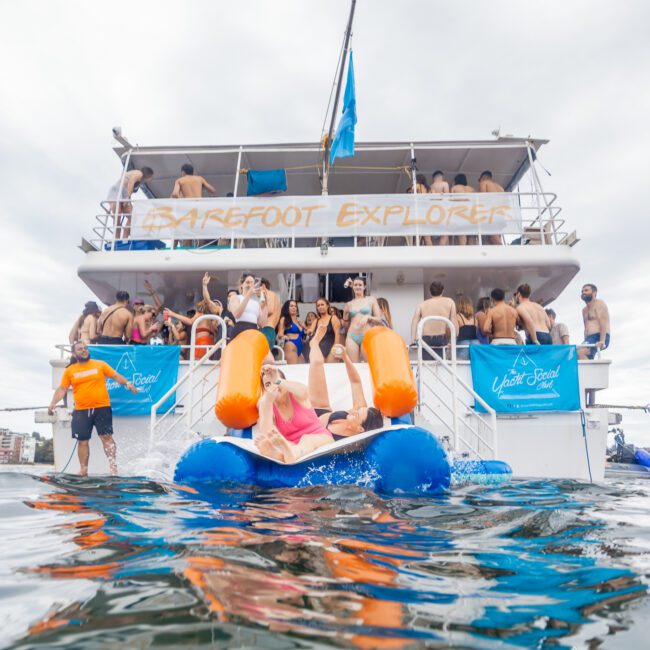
(239, 380)
(395, 392)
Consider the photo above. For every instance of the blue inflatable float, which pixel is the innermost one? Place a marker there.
(401, 459)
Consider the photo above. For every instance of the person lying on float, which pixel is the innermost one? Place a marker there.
(288, 425)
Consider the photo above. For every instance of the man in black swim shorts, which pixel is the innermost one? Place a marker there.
(92, 403)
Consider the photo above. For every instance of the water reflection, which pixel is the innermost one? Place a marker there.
(531, 563)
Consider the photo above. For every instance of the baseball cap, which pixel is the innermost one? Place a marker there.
(137, 301)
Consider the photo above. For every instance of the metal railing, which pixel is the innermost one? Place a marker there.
(205, 386)
(540, 225)
(462, 397)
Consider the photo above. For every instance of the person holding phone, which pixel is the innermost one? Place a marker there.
(249, 307)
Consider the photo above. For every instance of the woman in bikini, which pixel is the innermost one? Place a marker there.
(288, 425)
(330, 321)
(144, 326)
(360, 314)
(340, 424)
(84, 329)
(292, 329)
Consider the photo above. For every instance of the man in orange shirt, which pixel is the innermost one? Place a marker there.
(92, 405)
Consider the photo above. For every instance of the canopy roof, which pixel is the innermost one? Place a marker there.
(376, 168)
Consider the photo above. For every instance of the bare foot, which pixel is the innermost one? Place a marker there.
(263, 444)
(283, 447)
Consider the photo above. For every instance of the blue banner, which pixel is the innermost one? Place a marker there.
(521, 378)
(152, 369)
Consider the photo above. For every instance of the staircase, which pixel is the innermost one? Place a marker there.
(447, 403)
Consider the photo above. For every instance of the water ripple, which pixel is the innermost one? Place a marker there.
(135, 563)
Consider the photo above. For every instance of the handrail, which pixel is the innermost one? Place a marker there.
(453, 370)
(194, 364)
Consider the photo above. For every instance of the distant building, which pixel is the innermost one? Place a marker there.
(16, 448)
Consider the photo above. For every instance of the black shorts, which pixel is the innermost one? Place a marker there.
(110, 340)
(83, 422)
(436, 343)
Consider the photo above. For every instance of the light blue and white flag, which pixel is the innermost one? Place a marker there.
(343, 143)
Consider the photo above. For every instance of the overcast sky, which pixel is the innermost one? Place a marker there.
(219, 72)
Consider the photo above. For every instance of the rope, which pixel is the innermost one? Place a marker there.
(69, 459)
(22, 408)
(404, 168)
(584, 435)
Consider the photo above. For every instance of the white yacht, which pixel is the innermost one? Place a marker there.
(301, 262)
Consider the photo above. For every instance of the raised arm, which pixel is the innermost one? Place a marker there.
(358, 398)
(214, 307)
(152, 292)
(183, 319)
(298, 390)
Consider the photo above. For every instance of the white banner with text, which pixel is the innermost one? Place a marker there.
(327, 216)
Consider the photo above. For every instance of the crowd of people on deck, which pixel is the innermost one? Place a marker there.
(191, 186)
(295, 418)
(254, 305)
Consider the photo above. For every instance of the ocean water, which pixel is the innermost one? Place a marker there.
(136, 563)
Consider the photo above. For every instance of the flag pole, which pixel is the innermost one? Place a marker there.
(337, 96)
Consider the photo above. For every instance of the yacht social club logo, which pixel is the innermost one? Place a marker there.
(526, 378)
(152, 369)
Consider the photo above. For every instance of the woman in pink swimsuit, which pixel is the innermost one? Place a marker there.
(289, 426)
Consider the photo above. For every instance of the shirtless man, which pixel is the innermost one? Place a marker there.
(116, 322)
(438, 186)
(460, 186)
(486, 184)
(189, 186)
(435, 333)
(596, 318)
(438, 183)
(533, 318)
(273, 308)
(500, 321)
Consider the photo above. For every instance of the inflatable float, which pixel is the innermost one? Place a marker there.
(398, 458)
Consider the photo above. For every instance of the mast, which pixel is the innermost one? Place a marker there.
(337, 96)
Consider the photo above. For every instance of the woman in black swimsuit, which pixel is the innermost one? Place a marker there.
(332, 332)
(340, 424)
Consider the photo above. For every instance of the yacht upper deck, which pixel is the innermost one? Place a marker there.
(372, 206)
